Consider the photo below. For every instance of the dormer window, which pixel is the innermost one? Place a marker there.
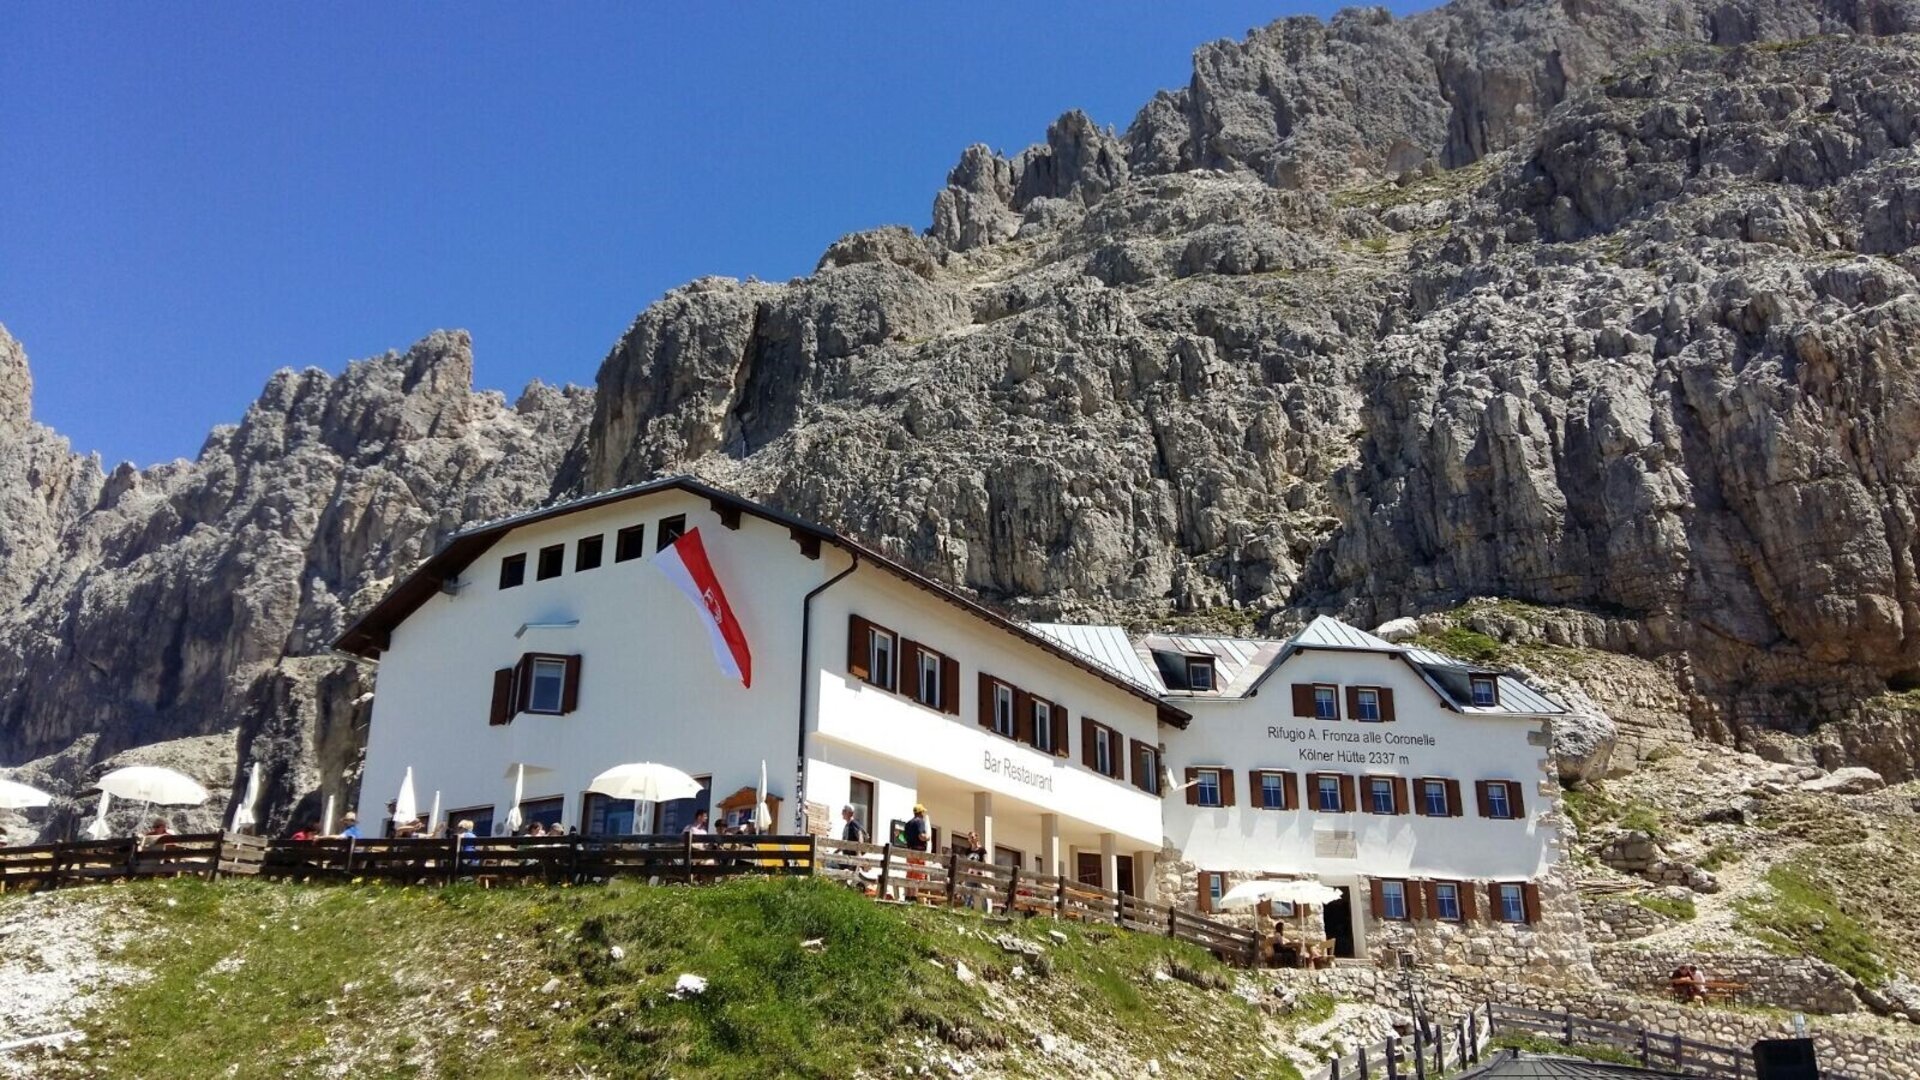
(1199, 673)
(1486, 691)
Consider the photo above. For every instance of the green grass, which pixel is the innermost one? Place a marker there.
(1540, 1044)
(1681, 909)
(1470, 645)
(804, 979)
(1720, 855)
(1801, 917)
(1643, 818)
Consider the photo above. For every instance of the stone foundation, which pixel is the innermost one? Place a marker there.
(1611, 919)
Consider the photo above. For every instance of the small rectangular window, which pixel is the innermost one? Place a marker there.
(513, 571)
(1513, 904)
(1368, 701)
(1272, 795)
(549, 686)
(1393, 900)
(1498, 805)
(671, 529)
(1328, 789)
(1146, 773)
(1043, 725)
(1486, 693)
(1209, 787)
(553, 559)
(586, 554)
(880, 658)
(929, 679)
(1199, 674)
(1380, 792)
(1435, 793)
(1446, 899)
(629, 543)
(1103, 751)
(1003, 719)
(1326, 703)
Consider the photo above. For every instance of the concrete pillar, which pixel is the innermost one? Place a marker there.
(1147, 874)
(1050, 845)
(1109, 861)
(983, 824)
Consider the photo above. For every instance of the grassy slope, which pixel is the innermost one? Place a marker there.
(256, 979)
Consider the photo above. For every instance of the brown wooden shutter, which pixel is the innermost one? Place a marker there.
(502, 712)
(1399, 794)
(523, 684)
(1430, 900)
(1310, 786)
(1255, 790)
(1059, 731)
(1303, 700)
(1193, 787)
(1133, 757)
(1530, 896)
(1226, 787)
(857, 663)
(570, 693)
(909, 664)
(986, 701)
(1347, 801)
(1289, 793)
(1023, 716)
(1467, 905)
(1379, 898)
(1120, 761)
(1480, 796)
(1419, 808)
(1454, 806)
(1204, 900)
(1515, 801)
(1493, 902)
(1386, 704)
(950, 686)
(1086, 744)
(1353, 703)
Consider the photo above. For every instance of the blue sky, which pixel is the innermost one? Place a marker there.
(196, 195)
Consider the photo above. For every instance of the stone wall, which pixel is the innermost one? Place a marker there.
(1611, 919)
(1799, 983)
(1858, 1046)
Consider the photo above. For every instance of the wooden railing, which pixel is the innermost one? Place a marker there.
(883, 871)
(1430, 1051)
(1649, 1048)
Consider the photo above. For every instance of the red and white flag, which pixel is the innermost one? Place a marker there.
(685, 563)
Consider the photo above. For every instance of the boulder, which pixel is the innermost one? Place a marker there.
(1398, 630)
(1852, 780)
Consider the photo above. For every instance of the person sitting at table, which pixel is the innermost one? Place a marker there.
(1689, 983)
(155, 835)
(350, 826)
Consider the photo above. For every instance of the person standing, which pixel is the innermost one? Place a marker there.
(852, 830)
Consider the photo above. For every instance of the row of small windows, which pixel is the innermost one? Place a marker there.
(1402, 900)
(1340, 793)
(628, 543)
(879, 656)
(1373, 704)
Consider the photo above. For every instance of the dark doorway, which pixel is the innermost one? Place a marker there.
(1087, 869)
(1337, 917)
(1125, 874)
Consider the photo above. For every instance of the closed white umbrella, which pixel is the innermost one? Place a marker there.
(433, 816)
(519, 790)
(154, 784)
(17, 796)
(405, 806)
(326, 818)
(99, 830)
(762, 817)
(1252, 893)
(647, 781)
(243, 815)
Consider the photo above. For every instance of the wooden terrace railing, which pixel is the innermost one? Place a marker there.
(882, 871)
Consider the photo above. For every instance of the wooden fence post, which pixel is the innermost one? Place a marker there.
(813, 856)
(886, 861)
(1392, 1055)
(1013, 886)
(1059, 896)
(453, 862)
(1363, 1063)
(687, 855)
(1566, 1027)
(1460, 1042)
(1473, 1036)
(1439, 1051)
(1646, 1052)
(213, 865)
(1333, 1069)
(1419, 1048)
(133, 854)
(953, 877)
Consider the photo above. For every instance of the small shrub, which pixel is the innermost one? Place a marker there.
(1643, 818)
(1681, 909)
(1376, 244)
(1721, 855)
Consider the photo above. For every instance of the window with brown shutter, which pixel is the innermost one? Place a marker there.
(1495, 910)
(1468, 912)
(858, 663)
(1303, 700)
(1208, 883)
(1193, 787)
(1430, 900)
(1023, 716)
(1272, 789)
(910, 680)
(570, 692)
(1059, 720)
(1086, 742)
(1379, 889)
(1146, 772)
(503, 710)
(1530, 895)
(1454, 806)
(522, 682)
(1386, 705)
(1353, 702)
(1481, 798)
(1400, 795)
(949, 686)
(1226, 787)
(986, 700)
(1513, 797)
(1347, 801)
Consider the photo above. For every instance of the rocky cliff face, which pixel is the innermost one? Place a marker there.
(197, 599)
(1604, 307)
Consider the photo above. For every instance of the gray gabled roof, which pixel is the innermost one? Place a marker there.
(1452, 678)
(1107, 646)
(1327, 632)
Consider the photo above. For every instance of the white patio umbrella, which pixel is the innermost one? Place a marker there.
(519, 771)
(99, 830)
(326, 818)
(1251, 893)
(243, 815)
(405, 806)
(17, 796)
(433, 816)
(645, 781)
(762, 817)
(154, 784)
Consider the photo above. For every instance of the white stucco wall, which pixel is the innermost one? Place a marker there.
(1261, 733)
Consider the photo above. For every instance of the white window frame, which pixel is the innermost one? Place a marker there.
(1197, 663)
(1201, 786)
(1499, 803)
(1428, 790)
(1043, 725)
(1366, 699)
(1445, 893)
(1376, 787)
(1486, 682)
(1003, 711)
(1102, 751)
(1333, 702)
(1216, 889)
(1392, 893)
(1278, 790)
(932, 694)
(558, 670)
(1321, 788)
(1149, 764)
(882, 645)
(1513, 904)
